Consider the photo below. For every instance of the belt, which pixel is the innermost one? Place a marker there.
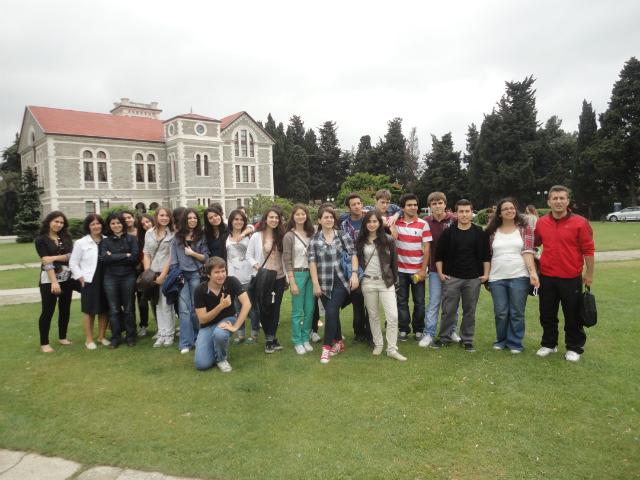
(301, 269)
(372, 277)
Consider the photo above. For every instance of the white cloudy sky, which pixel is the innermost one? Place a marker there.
(438, 65)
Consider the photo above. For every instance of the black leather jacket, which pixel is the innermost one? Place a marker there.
(118, 263)
(388, 261)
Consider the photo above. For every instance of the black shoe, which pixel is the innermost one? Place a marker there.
(418, 336)
(372, 344)
(439, 344)
(131, 343)
(358, 339)
(402, 336)
(276, 345)
(268, 347)
(468, 347)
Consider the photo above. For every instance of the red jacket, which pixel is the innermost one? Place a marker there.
(565, 244)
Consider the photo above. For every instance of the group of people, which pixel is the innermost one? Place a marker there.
(221, 276)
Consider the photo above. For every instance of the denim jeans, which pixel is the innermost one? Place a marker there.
(302, 308)
(433, 307)
(254, 313)
(270, 321)
(509, 301)
(189, 324)
(121, 295)
(332, 328)
(405, 322)
(212, 344)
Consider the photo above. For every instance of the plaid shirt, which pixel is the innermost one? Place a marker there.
(527, 239)
(327, 258)
(347, 226)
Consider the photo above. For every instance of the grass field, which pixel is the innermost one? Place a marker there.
(19, 278)
(442, 414)
(11, 253)
(616, 236)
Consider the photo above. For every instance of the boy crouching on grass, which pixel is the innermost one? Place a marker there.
(213, 301)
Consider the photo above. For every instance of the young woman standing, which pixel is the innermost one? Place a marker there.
(513, 269)
(377, 252)
(54, 246)
(296, 244)
(329, 280)
(233, 250)
(189, 252)
(87, 266)
(157, 256)
(214, 228)
(130, 222)
(120, 254)
(266, 244)
(531, 216)
(143, 225)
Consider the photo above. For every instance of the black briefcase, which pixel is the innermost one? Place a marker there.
(587, 308)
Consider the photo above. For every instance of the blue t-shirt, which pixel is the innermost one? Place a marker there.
(357, 225)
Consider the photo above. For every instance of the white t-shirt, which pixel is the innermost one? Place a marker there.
(300, 258)
(237, 263)
(507, 261)
(373, 267)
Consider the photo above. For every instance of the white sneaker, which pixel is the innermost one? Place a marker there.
(455, 338)
(315, 338)
(159, 342)
(515, 352)
(184, 350)
(155, 336)
(426, 341)
(300, 350)
(307, 346)
(142, 332)
(168, 341)
(498, 347)
(224, 366)
(105, 342)
(397, 356)
(90, 346)
(544, 351)
(572, 356)
(377, 350)
(325, 355)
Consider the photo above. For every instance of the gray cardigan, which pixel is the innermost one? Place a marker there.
(288, 245)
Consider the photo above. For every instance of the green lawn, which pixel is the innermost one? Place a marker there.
(19, 278)
(616, 236)
(11, 253)
(440, 415)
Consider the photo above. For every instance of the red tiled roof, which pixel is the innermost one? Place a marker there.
(227, 120)
(71, 122)
(192, 115)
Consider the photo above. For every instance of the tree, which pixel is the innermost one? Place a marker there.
(443, 172)
(367, 185)
(585, 184)
(280, 161)
(389, 155)
(8, 201)
(260, 203)
(553, 155)
(28, 220)
(298, 175)
(11, 158)
(362, 161)
(413, 168)
(295, 131)
(329, 172)
(620, 126)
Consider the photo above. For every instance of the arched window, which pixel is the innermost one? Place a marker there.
(244, 145)
(139, 157)
(205, 165)
(251, 145)
(153, 206)
(198, 169)
(87, 154)
(101, 155)
(151, 158)
(237, 144)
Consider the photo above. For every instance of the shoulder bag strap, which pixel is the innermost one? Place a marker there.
(156, 252)
(375, 247)
(269, 254)
(302, 241)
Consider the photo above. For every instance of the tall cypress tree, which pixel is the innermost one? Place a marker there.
(361, 161)
(28, 219)
(298, 174)
(391, 152)
(11, 158)
(296, 131)
(329, 171)
(586, 187)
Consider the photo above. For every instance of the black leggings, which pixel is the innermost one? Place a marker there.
(49, 301)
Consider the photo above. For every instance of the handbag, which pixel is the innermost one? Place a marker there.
(254, 279)
(587, 312)
(146, 280)
(346, 261)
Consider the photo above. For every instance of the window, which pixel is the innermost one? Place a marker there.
(251, 145)
(88, 171)
(253, 174)
(245, 173)
(247, 203)
(139, 173)
(103, 205)
(139, 157)
(151, 158)
(205, 164)
(238, 202)
(198, 169)
(171, 130)
(173, 170)
(87, 154)
(101, 155)
(237, 145)
(243, 142)
(237, 173)
(151, 173)
(102, 171)
(89, 207)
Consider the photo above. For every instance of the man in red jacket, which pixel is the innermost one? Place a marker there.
(567, 241)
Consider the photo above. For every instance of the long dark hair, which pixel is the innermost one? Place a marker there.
(63, 235)
(135, 220)
(177, 213)
(381, 236)
(325, 209)
(232, 217)
(496, 220)
(141, 231)
(308, 224)
(183, 229)
(278, 232)
(89, 220)
(209, 229)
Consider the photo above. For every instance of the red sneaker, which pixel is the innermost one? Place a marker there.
(325, 355)
(337, 348)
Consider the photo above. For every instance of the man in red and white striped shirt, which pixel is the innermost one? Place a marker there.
(414, 248)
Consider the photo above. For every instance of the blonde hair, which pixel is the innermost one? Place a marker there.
(533, 210)
(384, 194)
(436, 197)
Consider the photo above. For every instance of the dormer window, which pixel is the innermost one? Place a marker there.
(244, 144)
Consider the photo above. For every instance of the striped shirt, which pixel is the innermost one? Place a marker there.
(411, 236)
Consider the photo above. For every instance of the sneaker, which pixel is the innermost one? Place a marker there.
(377, 350)
(426, 341)
(544, 351)
(142, 332)
(90, 346)
(237, 341)
(276, 345)
(455, 338)
(300, 350)
(105, 342)
(224, 366)
(359, 339)
(168, 341)
(468, 347)
(250, 341)
(418, 336)
(439, 344)
(307, 346)
(402, 336)
(184, 351)
(268, 347)
(515, 352)
(337, 348)
(498, 347)
(325, 355)
(155, 336)
(159, 342)
(397, 356)
(315, 338)
(572, 356)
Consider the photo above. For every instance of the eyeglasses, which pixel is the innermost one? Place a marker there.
(508, 209)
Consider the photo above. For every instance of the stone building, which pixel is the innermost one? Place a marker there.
(86, 162)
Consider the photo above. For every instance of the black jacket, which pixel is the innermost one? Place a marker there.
(445, 248)
(388, 262)
(118, 263)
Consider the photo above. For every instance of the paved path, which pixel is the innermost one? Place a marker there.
(30, 466)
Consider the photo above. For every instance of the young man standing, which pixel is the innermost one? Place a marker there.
(414, 248)
(567, 241)
(352, 225)
(438, 222)
(384, 206)
(463, 260)
(216, 312)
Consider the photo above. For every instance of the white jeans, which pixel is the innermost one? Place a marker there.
(375, 291)
(165, 317)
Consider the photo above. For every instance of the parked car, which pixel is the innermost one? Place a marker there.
(629, 213)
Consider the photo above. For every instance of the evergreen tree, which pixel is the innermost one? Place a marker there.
(367, 185)
(412, 166)
(390, 158)
(280, 161)
(620, 127)
(28, 220)
(329, 171)
(553, 155)
(295, 131)
(11, 158)
(361, 161)
(298, 175)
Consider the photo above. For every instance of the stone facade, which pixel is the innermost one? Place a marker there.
(199, 161)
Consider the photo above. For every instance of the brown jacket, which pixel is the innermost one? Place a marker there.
(388, 261)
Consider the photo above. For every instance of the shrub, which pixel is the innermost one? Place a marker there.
(481, 218)
(117, 208)
(543, 211)
(75, 227)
